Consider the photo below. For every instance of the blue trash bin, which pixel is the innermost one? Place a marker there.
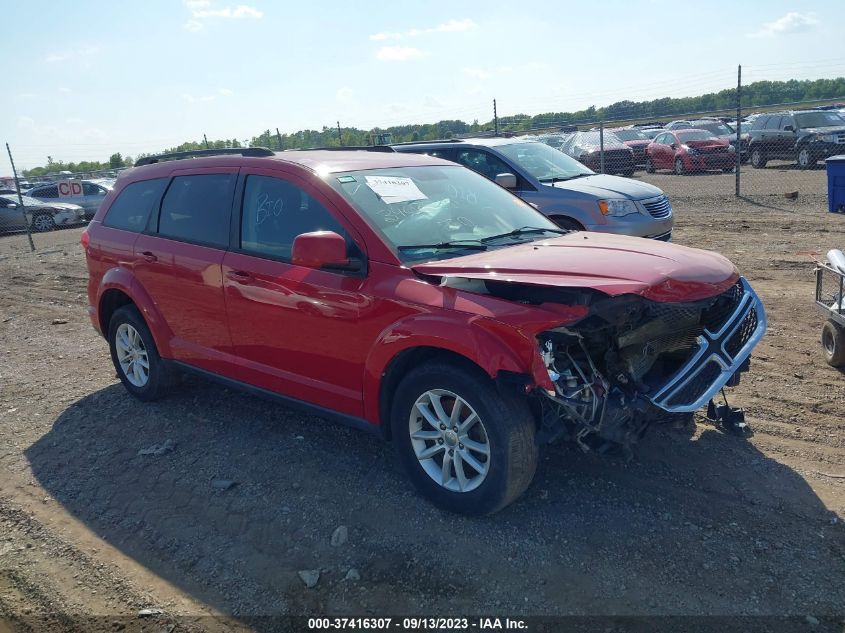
(836, 184)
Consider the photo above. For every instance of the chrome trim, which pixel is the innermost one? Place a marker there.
(711, 347)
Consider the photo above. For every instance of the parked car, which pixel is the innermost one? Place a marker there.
(805, 136)
(678, 125)
(585, 147)
(651, 132)
(571, 194)
(690, 150)
(91, 198)
(39, 216)
(636, 139)
(725, 132)
(448, 314)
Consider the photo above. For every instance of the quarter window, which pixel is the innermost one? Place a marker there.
(275, 211)
(197, 208)
(131, 210)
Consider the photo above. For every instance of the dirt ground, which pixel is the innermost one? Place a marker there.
(210, 502)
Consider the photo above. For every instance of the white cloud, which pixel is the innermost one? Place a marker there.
(452, 26)
(26, 95)
(65, 90)
(792, 22)
(478, 73)
(240, 11)
(197, 4)
(345, 94)
(193, 26)
(400, 53)
(201, 99)
(62, 56)
(226, 92)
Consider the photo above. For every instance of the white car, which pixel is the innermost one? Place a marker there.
(40, 216)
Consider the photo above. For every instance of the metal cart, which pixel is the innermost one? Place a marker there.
(831, 303)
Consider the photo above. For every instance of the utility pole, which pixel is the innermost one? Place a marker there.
(20, 198)
(279, 136)
(339, 135)
(738, 124)
(495, 118)
(205, 138)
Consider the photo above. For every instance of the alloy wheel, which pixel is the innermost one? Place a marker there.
(449, 440)
(132, 355)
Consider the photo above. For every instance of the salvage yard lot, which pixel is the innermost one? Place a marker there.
(237, 495)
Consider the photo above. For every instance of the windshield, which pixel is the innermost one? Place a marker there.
(694, 135)
(818, 119)
(587, 139)
(437, 205)
(719, 129)
(544, 162)
(630, 135)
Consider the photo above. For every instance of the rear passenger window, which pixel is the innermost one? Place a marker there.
(773, 123)
(197, 209)
(275, 211)
(46, 192)
(131, 210)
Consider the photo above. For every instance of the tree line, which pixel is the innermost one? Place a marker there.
(757, 94)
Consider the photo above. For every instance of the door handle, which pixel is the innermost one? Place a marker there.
(239, 276)
(149, 256)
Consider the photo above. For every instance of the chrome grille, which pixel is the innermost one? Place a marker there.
(659, 207)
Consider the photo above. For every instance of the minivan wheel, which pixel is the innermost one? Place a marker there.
(804, 158)
(758, 159)
(43, 222)
(135, 356)
(467, 446)
(679, 167)
(833, 344)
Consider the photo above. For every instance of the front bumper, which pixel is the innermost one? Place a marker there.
(823, 149)
(710, 161)
(719, 356)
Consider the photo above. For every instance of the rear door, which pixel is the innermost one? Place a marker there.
(786, 138)
(178, 262)
(295, 329)
(91, 199)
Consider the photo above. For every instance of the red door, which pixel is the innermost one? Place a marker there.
(179, 265)
(293, 328)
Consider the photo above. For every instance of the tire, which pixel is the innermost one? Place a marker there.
(566, 223)
(833, 344)
(131, 342)
(758, 158)
(504, 427)
(649, 165)
(43, 222)
(679, 167)
(728, 170)
(804, 159)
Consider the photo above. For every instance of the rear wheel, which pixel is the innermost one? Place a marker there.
(43, 222)
(833, 344)
(135, 356)
(804, 158)
(467, 446)
(758, 158)
(679, 167)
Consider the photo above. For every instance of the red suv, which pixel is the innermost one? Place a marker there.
(688, 151)
(407, 295)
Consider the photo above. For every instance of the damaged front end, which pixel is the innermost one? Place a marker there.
(631, 359)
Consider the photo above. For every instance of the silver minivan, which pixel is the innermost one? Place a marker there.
(90, 199)
(569, 193)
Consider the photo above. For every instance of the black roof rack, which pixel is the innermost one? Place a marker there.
(198, 153)
(442, 140)
(346, 148)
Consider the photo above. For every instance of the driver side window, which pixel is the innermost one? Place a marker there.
(483, 163)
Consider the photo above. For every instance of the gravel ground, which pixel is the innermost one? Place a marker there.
(211, 502)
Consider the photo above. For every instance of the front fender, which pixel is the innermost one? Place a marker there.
(491, 345)
(122, 279)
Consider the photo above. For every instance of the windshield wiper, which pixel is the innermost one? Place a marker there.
(524, 231)
(474, 245)
(555, 179)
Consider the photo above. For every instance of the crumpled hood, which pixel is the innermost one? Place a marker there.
(830, 129)
(612, 264)
(606, 186)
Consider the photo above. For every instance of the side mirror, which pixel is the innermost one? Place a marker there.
(673, 146)
(506, 180)
(788, 128)
(319, 249)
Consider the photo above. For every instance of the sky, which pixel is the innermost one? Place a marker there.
(87, 78)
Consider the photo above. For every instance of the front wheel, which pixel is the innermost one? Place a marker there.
(466, 446)
(833, 344)
(804, 158)
(758, 159)
(649, 165)
(43, 222)
(135, 356)
(679, 167)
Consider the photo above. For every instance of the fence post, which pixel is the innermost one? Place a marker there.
(601, 145)
(20, 199)
(495, 118)
(279, 137)
(738, 126)
(205, 138)
(339, 135)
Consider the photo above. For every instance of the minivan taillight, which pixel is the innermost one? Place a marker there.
(85, 239)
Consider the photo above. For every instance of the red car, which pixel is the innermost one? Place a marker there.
(689, 150)
(634, 139)
(410, 296)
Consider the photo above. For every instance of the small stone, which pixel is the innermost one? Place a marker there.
(811, 620)
(158, 449)
(340, 536)
(58, 321)
(148, 613)
(310, 577)
(352, 575)
(223, 484)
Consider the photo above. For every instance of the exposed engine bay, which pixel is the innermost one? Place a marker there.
(632, 360)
